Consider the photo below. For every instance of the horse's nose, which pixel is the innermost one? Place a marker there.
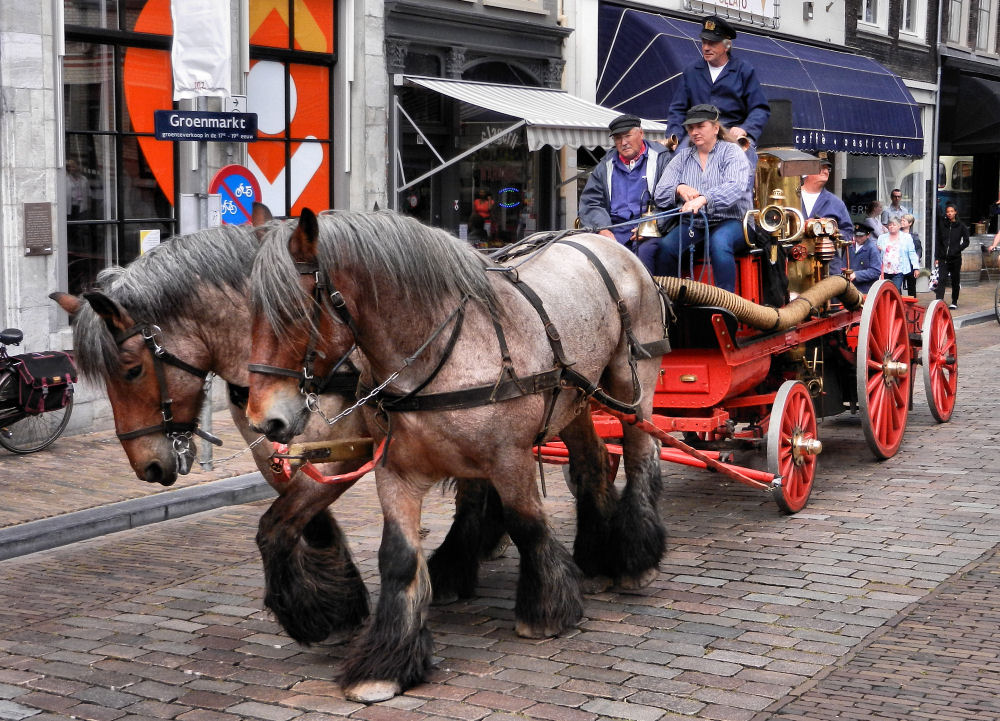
(153, 473)
(275, 429)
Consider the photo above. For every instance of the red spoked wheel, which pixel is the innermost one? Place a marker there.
(939, 356)
(792, 445)
(883, 367)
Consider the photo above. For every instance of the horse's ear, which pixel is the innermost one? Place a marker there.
(115, 317)
(302, 244)
(69, 303)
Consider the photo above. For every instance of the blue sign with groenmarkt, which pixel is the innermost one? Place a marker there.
(204, 125)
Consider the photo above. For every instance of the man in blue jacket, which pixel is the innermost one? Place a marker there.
(818, 202)
(863, 257)
(728, 83)
(621, 186)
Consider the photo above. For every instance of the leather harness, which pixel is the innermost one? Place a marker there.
(508, 385)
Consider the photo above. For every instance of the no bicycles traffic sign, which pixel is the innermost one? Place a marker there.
(238, 190)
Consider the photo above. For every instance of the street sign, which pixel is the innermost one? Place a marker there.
(203, 125)
(238, 190)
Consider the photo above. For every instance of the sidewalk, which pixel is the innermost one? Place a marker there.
(82, 486)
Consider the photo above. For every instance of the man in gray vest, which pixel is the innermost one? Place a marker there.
(621, 186)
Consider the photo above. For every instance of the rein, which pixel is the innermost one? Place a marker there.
(179, 433)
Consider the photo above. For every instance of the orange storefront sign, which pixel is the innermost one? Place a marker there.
(293, 131)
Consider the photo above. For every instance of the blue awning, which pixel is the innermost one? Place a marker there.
(840, 102)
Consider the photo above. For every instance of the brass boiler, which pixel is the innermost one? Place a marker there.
(810, 246)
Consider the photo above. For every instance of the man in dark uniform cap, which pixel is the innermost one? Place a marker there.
(728, 83)
(621, 185)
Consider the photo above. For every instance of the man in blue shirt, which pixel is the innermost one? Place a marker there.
(728, 83)
(818, 202)
(707, 182)
(621, 186)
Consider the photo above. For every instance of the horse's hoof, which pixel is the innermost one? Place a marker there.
(502, 545)
(372, 691)
(595, 584)
(526, 630)
(634, 583)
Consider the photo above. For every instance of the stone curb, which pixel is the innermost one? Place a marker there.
(976, 318)
(62, 530)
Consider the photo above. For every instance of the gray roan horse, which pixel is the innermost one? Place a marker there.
(152, 333)
(475, 378)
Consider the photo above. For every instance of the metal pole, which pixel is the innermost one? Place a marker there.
(206, 409)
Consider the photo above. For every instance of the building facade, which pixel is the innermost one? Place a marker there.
(85, 180)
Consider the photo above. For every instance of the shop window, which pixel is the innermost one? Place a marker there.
(292, 53)
(116, 71)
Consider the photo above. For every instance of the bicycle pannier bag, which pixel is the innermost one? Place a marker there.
(47, 380)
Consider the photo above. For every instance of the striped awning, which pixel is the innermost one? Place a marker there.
(551, 117)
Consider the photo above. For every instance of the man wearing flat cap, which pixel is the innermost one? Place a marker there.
(728, 83)
(863, 258)
(621, 186)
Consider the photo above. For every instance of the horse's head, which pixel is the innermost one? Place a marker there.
(301, 330)
(155, 395)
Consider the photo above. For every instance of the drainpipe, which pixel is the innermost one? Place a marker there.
(932, 231)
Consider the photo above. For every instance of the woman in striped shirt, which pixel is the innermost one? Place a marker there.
(713, 176)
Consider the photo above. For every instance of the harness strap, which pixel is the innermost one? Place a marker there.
(635, 348)
(555, 341)
(467, 397)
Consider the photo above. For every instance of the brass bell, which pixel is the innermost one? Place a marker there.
(648, 228)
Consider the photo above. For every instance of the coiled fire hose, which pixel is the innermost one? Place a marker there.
(764, 317)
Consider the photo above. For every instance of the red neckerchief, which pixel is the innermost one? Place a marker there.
(626, 162)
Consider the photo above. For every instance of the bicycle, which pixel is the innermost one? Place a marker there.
(34, 407)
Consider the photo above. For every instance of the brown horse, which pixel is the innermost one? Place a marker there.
(470, 368)
(153, 332)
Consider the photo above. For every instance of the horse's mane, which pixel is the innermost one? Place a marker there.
(163, 286)
(429, 267)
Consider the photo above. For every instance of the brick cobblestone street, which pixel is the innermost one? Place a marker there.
(878, 601)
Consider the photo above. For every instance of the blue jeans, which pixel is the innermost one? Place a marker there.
(726, 237)
(897, 280)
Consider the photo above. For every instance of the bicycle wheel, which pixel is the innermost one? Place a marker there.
(35, 432)
(996, 302)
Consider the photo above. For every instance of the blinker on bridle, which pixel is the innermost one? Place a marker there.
(333, 382)
(179, 433)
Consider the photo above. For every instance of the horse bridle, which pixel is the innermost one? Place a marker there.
(178, 432)
(334, 381)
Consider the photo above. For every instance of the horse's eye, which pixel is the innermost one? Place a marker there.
(132, 373)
